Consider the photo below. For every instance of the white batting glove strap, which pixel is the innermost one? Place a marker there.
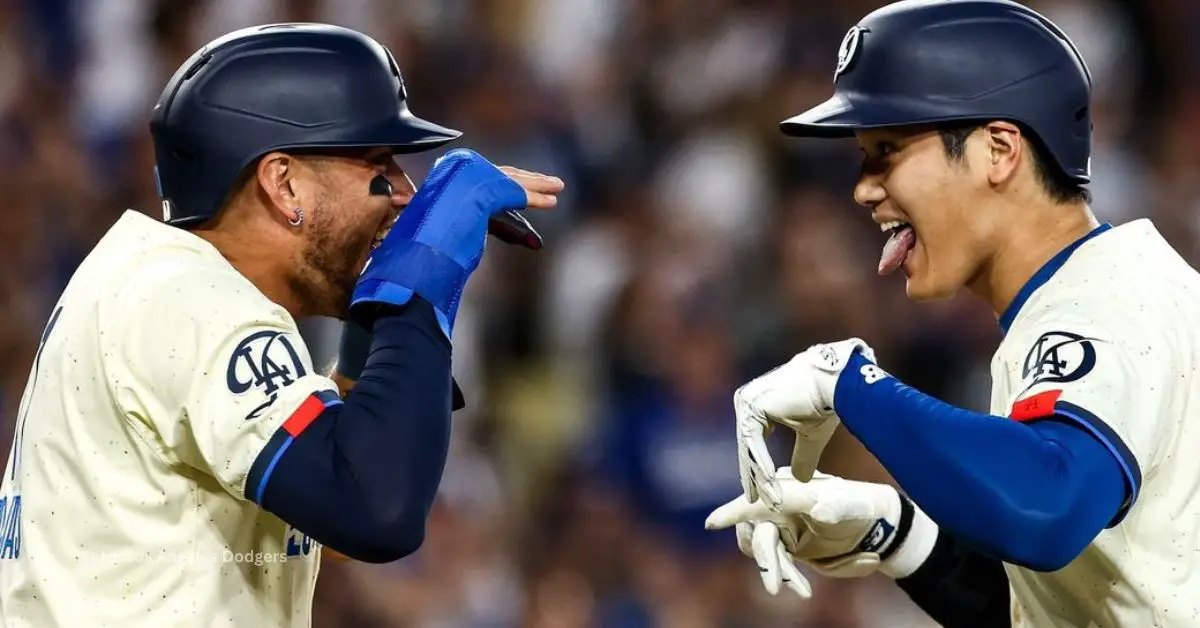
(915, 549)
(906, 540)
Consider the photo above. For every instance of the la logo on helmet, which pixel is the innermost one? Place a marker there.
(848, 51)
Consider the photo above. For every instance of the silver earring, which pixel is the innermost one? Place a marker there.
(295, 222)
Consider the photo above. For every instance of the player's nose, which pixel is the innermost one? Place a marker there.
(403, 188)
(869, 191)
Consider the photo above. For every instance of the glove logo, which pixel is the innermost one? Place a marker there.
(829, 356)
(877, 536)
(1058, 356)
(872, 373)
(265, 361)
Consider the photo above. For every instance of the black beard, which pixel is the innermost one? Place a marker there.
(329, 270)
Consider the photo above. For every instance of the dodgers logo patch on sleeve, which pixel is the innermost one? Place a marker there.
(265, 361)
(1058, 356)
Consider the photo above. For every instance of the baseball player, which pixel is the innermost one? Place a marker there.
(1075, 496)
(178, 460)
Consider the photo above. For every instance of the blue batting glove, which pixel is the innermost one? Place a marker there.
(439, 239)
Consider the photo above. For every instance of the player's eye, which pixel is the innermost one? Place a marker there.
(877, 159)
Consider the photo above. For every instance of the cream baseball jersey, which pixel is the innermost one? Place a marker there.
(1107, 336)
(161, 377)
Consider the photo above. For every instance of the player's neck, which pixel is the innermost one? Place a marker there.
(257, 261)
(1026, 247)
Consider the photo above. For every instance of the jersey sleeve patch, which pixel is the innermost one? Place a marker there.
(292, 427)
(263, 364)
(1038, 406)
(1058, 357)
(1115, 445)
(312, 407)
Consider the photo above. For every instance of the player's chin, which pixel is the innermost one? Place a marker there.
(924, 292)
(923, 282)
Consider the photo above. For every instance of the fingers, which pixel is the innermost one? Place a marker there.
(541, 191)
(739, 510)
(797, 499)
(791, 575)
(744, 533)
(775, 565)
(745, 470)
(764, 542)
(757, 459)
(808, 449)
(537, 200)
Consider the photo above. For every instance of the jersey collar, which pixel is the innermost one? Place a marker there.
(1043, 275)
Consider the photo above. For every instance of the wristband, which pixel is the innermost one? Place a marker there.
(906, 556)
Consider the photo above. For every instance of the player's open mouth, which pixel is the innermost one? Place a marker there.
(901, 241)
(386, 227)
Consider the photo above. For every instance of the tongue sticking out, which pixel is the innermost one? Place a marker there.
(896, 250)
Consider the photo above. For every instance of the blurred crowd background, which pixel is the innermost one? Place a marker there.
(695, 249)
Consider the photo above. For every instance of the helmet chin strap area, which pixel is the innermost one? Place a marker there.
(509, 227)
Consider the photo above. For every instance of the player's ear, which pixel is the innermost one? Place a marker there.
(277, 182)
(1005, 151)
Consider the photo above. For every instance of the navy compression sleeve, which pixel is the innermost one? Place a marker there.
(353, 349)
(362, 477)
(1036, 493)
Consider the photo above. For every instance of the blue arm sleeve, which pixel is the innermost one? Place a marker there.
(1030, 494)
(362, 477)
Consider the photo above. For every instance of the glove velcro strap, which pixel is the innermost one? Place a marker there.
(907, 512)
(419, 268)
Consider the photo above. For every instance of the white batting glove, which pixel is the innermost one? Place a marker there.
(798, 395)
(840, 528)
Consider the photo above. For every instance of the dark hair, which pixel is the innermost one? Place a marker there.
(1061, 188)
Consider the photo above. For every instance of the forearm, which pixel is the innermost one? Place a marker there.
(959, 587)
(1038, 493)
(353, 349)
(362, 478)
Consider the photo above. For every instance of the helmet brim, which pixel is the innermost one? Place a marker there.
(403, 133)
(410, 134)
(841, 116)
(833, 118)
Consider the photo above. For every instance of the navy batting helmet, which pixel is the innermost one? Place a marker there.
(275, 87)
(928, 61)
